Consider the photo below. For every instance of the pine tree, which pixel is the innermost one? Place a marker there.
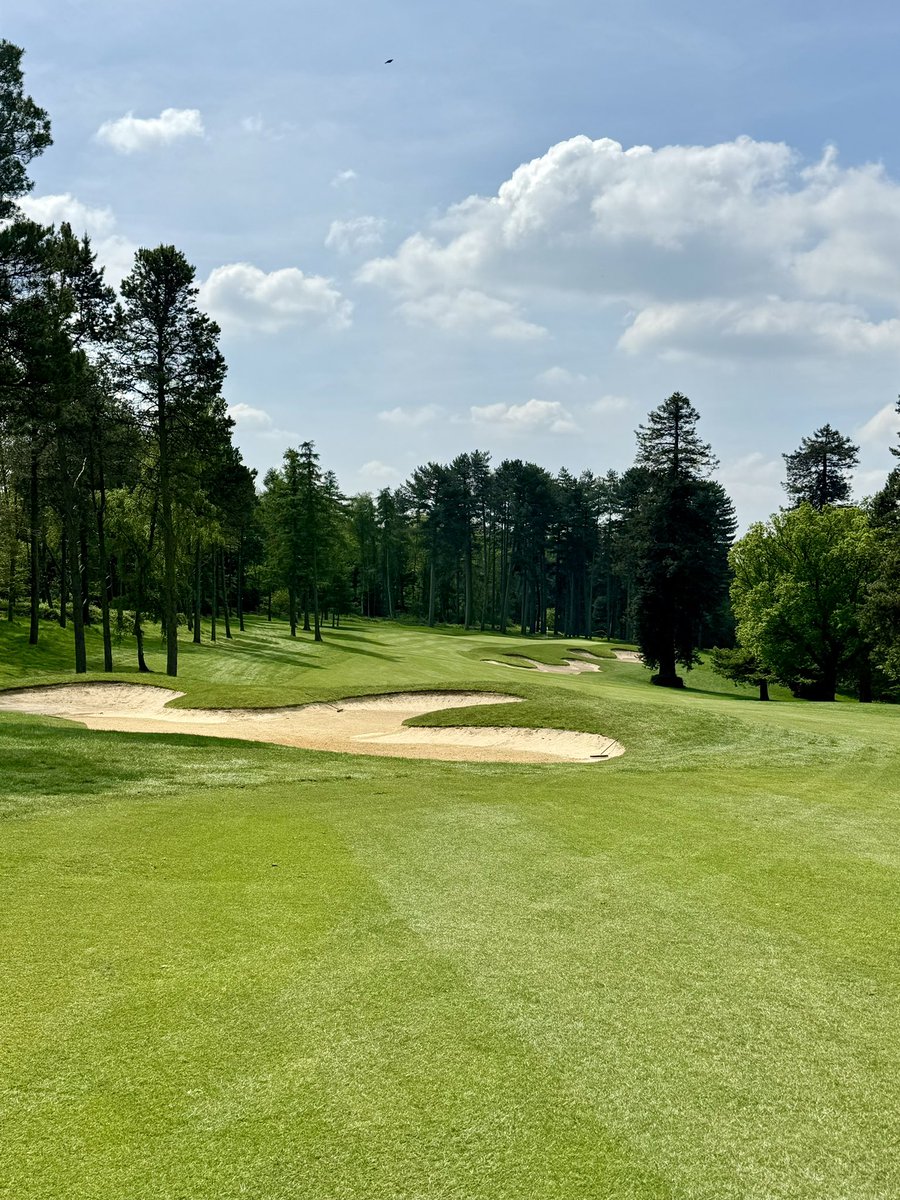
(679, 532)
(817, 470)
(24, 130)
(172, 364)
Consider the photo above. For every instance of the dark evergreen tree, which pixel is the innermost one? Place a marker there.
(29, 343)
(172, 364)
(680, 531)
(24, 130)
(817, 471)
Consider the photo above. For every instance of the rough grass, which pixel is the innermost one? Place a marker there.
(236, 970)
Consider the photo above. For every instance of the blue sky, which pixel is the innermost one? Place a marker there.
(464, 250)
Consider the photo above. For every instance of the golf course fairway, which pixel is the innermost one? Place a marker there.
(235, 969)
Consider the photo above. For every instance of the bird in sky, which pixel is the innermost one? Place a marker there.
(388, 60)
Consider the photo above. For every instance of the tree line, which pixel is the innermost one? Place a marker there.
(125, 503)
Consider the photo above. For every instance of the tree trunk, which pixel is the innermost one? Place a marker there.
(170, 613)
(13, 565)
(138, 612)
(764, 689)
(467, 575)
(85, 572)
(504, 578)
(105, 582)
(73, 538)
(34, 521)
(77, 605)
(63, 575)
(225, 612)
(214, 612)
(864, 691)
(198, 591)
(667, 675)
(240, 583)
(387, 585)
(317, 636)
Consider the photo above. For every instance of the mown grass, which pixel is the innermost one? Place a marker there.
(238, 970)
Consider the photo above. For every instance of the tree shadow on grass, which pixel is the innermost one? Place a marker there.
(699, 691)
(369, 653)
(291, 658)
(343, 634)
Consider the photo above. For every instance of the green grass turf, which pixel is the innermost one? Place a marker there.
(238, 970)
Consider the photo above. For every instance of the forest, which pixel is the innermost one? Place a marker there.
(125, 504)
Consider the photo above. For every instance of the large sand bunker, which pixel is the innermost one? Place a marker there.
(363, 725)
(573, 666)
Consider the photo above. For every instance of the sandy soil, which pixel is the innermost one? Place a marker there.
(361, 725)
(574, 666)
(627, 656)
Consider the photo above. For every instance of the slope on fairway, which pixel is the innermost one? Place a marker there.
(239, 970)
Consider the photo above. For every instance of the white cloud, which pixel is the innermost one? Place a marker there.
(115, 253)
(867, 483)
(245, 416)
(711, 248)
(882, 429)
(242, 298)
(255, 126)
(561, 377)
(754, 482)
(344, 177)
(130, 133)
(379, 473)
(772, 326)
(610, 404)
(534, 416)
(411, 418)
(469, 312)
(355, 235)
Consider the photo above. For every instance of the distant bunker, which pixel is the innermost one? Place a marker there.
(359, 725)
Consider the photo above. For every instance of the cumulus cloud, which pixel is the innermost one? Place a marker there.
(709, 248)
(754, 482)
(245, 299)
(534, 416)
(411, 418)
(561, 377)
(610, 404)
(356, 235)
(129, 134)
(245, 416)
(471, 312)
(881, 429)
(378, 472)
(344, 177)
(115, 253)
(867, 483)
(771, 326)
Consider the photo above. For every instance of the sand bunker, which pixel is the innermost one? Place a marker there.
(362, 725)
(628, 656)
(574, 666)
